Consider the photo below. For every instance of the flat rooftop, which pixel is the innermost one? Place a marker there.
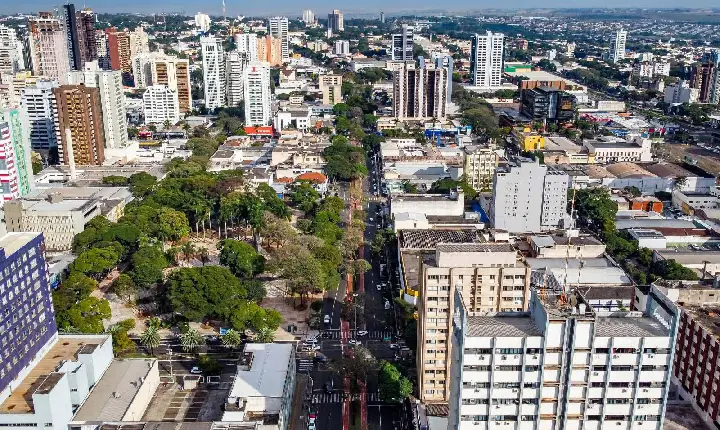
(652, 223)
(559, 263)
(592, 276)
(501, 326)
(428, 239)
(421, 197)
(707, 316)
(559, 143)
(20, 401)
(475, 247)
(12, 242)
(266, 377)
(122, 377)
(629, 326)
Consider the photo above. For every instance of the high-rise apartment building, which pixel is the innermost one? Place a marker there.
(341, 47)
(77, 107)
(112, 103)
(10, 51)
(562, 365)
(9, 188)
(308, 17)
(331, 88)
(529, 197)
(420, 92)
(713, 57)
(617, 46)
(48, 47)
(480, 165)
(37, 101)
(335, 21)
(160, 104)
(101, 48)
(256, 81)
(382, 17)
(202, 21)
(449, 63)
(270, 50)
(234, 69)
(118, 48)
(156, 68)
(20, 141)
(278, 29)
(139, 42)
(213, 64)
(80, 35)
(247, 43)
(487, 58)
(402, 44)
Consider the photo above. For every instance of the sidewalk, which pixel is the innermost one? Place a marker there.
(298, 414)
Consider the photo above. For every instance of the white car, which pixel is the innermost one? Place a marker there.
(394, 346)
(311, 348)
(195, 370)
(387, 305)
(361, 333)
(378, 287)
(354, 342)
(326, 319)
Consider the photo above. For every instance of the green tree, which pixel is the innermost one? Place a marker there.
(115, 180)
(303, 195)
(191, 340)
(241, 258)
(231, 339)
(393, 387)
(85, 316)
(124, 287)
(265, 335)
(209, 365)
(147, 265)
(96, 262)
(357, 368)
(150, 339)
(172, 224)
(141, 183)
(122, 343)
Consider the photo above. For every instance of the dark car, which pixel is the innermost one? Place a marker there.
(319, 358)
(328, 387)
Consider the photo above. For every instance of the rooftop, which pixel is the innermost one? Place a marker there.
(628, 170)
(592, 276)
(12, 242)
(707, 316)
(668, 170)
(428, 239)
(652, 223)
(559, 143)
(475, 247)
(549, 263)
(501, 326)
(629, 326)
(266, 377)
(690, 256)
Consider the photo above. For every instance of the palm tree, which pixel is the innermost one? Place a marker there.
(204, 255)
(231, 339)
(265, 335)
(188, 250)
(166, 125)
(150, 338)
(191, 339)
(173, 254)
(154, 322)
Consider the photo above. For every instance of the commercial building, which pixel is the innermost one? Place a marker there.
(681, 92)
(213, 65)
(420, 92)
(11, 59)
(48, 47)
(38, 101)
(202, 21)
(236, 63)
(613, 150)
(528, 140)
(19, 135)
(547, 104)
(452, 204)
(247, 43)
(487, 59)
(256, 81)
(529, 197)
(480, 165)
(77, 108)
(118, 48)
(155, 68)
(331, 88)
(617, 46)
(308, 17)
(278, 29)
(335, 21)
(264, 384)
(112, 100)
(101, 47)
(61, 213)
(563, 364)
(402, 44)
(341, 47)
(160, 104)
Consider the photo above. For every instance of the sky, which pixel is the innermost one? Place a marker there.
(294, 8)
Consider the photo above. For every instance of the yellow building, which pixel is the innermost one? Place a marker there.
(528, 140)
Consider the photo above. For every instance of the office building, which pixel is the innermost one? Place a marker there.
(617, 46)
(420, 92)
(77, 108)
(529, 197)
(101, 48)
(20, 140)
(341, 47)
(335, 21)
(155, 68)
(402, 44)
(479, 166)
(118, 48)
(112, 101)
(681, 92)
(139, 43)
(202, 21)
(263, 388)
(48, 47)
(11, 59)
(331, 88)
(236, 63)
(278, 29)
(547, 104)
(256, 81)
(30, 327)
(713, 57)
(38, 101)
(247, 43)
(308, 17)
(213, 64)
(487, 59)
(562, 364)
(160, 104)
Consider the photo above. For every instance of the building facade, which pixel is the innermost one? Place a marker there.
(160, 104)
(256, 81)
(20, 139)
(479, 166)
(617, 46)
(118, 48)
(236, 63)
(38, 102)
(420, 92)
(10, 52)
(487, 59)
(547, 104)
(77, 108)
(278, 29)
(9, 187)
(331, 88)
(202, 21)
(402, 44)
(681, 92)
(154, 68)
(341, 47)
(48, 47)
(139, 42)
(335, 21)
(247, 43)
(308, 17)
(213, 64)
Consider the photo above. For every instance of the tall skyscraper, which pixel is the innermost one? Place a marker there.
(101, 49)
(278, 29)
(270, 51)
(77, 107)
(20, 138)
(256, 79)
(487, 57)
(37, 101)
(449, 63)
(156, 68)
(420, 93)
(335, 21)
(213, 64)
(9, 187)
(617, 46)
(308, 17)
(118, 47)
(72, 36)
(402, 44)
(382, 17)
(10, 52)
(236, 64)
(112, 103)
(48, 47)
(247, 43)
(86, 30)
(139, 42)
(160, 104)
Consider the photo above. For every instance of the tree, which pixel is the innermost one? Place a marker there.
(172, 224)
(265, 335)
(357, 367)
(96, 262)
(241, 258)
(148, 264)
(209, 365)
(191, 339)
(86, 316)
(115, 180)
(121, 341)
(393, 387)
(231, 339)
(150, 339)
(188, 250)
(303, 195)
(255, 290)
(124, 287)
(141, 183)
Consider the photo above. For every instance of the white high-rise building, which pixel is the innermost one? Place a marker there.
(529, 197)
(11, 59)
(308, 17)
(278, 29)
(213, 63)
(341, 47)
(336, 22)
(562, 365)
(202, 21)
(420, 92)
(487, 59)
(48, 48)
(234, 68)
(160, 104)
(139, 42)
(247, 43)
(256, 80)
(37, 101)
(402, 44)
(112, 100)
(156, 68)
(617, 46)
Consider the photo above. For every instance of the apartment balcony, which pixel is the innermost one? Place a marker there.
(476, 376)
(506, 376)
(625, 359)
(552, 358)
(508, 359)
(576, 392)
(579, 375)
(616, 425)
(548, 408)
(511, 409)
(526, 409)
(647, 425)
(619, 393)
(655, 359)
(648, 409)
(474, 409)
(506, 393)
(615, 409)
(651, 376)
(581, 358)
(477, 359)
(475, 393)
(551, 375)
(650, 393)
(599, 359)
(621, 376)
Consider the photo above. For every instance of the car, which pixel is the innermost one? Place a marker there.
(394, 346)
(387, 305)
(378, 287)
(311, 348)
(306, 343)
(354, 342)
(320, 358)
(328, 387)
(326, 319)
(195, 370)
(311, 426)
(362, 333)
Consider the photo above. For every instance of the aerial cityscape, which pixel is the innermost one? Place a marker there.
(348, 218)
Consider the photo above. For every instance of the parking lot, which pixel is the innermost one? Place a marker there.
(172, 403)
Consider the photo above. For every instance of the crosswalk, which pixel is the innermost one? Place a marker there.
(372, 334)
(304, 365)
(340, 397)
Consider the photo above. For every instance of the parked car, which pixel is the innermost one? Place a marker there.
(326, 319)
(310, 348)
(361, 333)
(354, 342)
(195, 370)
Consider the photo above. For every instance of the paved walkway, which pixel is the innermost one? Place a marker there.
(298, 415)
